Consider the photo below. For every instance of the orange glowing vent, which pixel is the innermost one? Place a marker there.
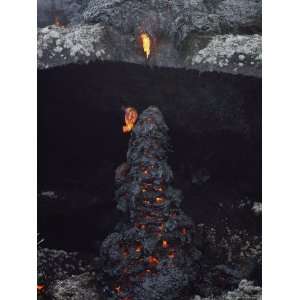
(40, 288)
(131, 116)
(165, 244)
(152, 260)
(146, 43)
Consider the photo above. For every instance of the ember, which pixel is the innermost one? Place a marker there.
(153, 260)
(165, 244)
(159, 200)
(118, 289)
(138, 248)
(131, 116)
(146, 43)
(40, 288)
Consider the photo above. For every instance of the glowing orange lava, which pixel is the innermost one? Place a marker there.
(152, 260)
(138, 248)
(165, 244)
(40, 288)
(159, 200)
(131, 116)
(146, 43)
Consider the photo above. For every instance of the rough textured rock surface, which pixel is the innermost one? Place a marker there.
(236, 54)
(59, 11)
(245, 291)
(59, 264)
(178, 18)
(76, 287)
(185, 34)
(150, 255)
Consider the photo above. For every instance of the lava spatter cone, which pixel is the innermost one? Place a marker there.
(151, 255)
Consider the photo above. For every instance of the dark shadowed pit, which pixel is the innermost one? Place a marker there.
(215, 125)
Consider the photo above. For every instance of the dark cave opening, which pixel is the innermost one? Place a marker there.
(215, 132)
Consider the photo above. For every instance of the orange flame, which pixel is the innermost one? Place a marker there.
(146, 42)
(131, 116)
(152, 260)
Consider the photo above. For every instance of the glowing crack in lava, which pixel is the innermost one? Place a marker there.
(152, 255)
(131, 116)
(146, 43)
(40, 288)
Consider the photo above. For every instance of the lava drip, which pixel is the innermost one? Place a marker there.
(151, 255)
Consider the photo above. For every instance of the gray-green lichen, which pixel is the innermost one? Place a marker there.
(236, 54)
(60, 45)
(235, 51)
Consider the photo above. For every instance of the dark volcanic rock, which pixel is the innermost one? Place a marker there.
(58, 265)
(203, 35)
(59, 11)
(178, 18)
(236, 54)
(151, 255)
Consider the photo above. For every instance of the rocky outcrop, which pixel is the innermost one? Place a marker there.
(221, 35)
(59, 11)
(236, 54)
(246, 290)
(151, 254)
(76, 287)
(178, 18)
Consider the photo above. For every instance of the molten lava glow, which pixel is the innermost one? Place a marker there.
(40, 288)
(165, 244)
(131, 116)
(171, 254)
(152, 260)
(146, 42)
(138, 249)
(159, 200)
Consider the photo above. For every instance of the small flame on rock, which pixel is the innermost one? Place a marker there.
(131, 116)
(146, 43)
